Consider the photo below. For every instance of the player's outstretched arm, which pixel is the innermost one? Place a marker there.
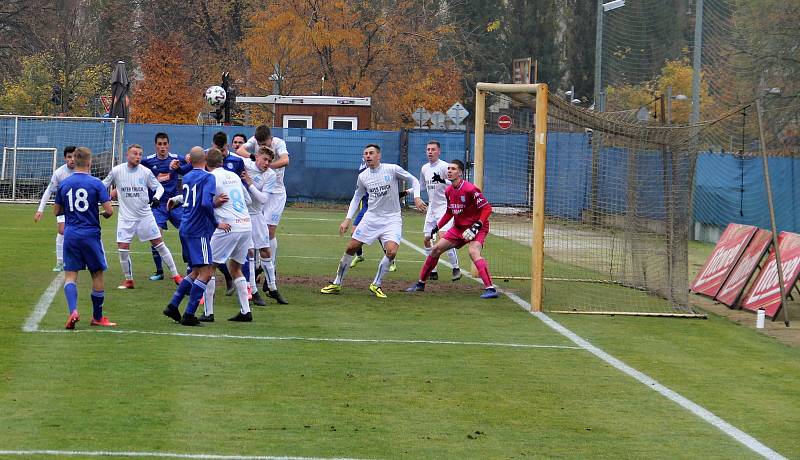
(344, 226)
(37, 216)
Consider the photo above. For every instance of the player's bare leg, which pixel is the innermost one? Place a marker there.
(164, 253)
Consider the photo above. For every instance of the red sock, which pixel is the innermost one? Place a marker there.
(427, 268)
(483, 271)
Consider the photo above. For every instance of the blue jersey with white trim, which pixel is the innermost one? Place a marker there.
(166, 176)
(199, 187)
(79, 196)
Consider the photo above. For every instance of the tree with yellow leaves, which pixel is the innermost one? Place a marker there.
(164, 94)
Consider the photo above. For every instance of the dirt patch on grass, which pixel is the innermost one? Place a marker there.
(389, 285)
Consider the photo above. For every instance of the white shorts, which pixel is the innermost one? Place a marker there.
(260, 231)
(273, 210)
(145, 229)
(231, 245)
(60, 219)
(371, 229)
(431, 220)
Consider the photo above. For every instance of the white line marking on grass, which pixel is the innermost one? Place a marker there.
(32, 323)
(701, 412)
(314, 339)
(319, 219)
(78, 453)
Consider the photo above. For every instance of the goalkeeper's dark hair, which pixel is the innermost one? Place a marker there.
(458, 163)
(263, 133)
(264, 150)
(69, 149)
(375, 146)
(239, 135)
(161, 136)
(220, 139)
(434, 142)
(214, 157)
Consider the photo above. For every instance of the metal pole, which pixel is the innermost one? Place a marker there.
(14, 169)
(598, 57)
(668, 104)
(696, 64)
(772, 214)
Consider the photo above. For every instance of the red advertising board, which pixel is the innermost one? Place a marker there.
(765, 292)
(722, 260)
(732, 289)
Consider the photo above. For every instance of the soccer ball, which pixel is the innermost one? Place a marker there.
(215, 96)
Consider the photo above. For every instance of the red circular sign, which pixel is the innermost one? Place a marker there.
(504, 122)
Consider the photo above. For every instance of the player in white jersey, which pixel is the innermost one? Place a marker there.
(433, 174)
(260, 180)
(232, 238)
(61, 173)
(277, 202)
(382, 221)
(131, 183)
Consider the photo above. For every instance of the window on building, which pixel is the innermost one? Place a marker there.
(349, 123)
(297, 121)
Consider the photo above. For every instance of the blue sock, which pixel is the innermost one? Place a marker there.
(184, 288)
(97, 304)
(246, 267)
(198, 289)
(157, 259)
(71, 293)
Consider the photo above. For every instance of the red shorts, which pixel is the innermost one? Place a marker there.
(454, 235)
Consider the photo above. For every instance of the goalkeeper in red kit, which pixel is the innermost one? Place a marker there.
(470, 211)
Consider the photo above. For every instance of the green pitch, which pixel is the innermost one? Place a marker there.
(440, 374)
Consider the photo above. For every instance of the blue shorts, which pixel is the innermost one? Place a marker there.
(196, 250)
(82, 252)
(363, 210)
(163, 216)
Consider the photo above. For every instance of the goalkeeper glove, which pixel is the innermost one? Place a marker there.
(155, 202)
(403, 193)
(437, 178)
(470, 233)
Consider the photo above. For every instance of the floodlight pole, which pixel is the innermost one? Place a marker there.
(771, 205)
(598, 57)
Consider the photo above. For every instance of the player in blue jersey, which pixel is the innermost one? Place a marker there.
(159, 163)
(77, 199)
(197, 226)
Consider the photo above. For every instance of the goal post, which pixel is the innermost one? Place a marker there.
(591, 208)
(540, 153)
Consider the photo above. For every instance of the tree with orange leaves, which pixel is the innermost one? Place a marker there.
(164, 94)
(385, 50)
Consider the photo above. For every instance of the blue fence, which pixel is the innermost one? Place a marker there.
(324, 163)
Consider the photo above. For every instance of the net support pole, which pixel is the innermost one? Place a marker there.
(771, 205)
(539, 163)
(540, 156)
(14, 167)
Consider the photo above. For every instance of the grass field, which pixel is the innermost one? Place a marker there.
(441, 374)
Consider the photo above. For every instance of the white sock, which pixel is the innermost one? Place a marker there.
(383, 267)
(251, 276)
(59, 248)
(166, 256)
(273, 250)
(269, 273)
(344, 264)
(211, 288)
(241, 291)
(453, 256)
(125, 263)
